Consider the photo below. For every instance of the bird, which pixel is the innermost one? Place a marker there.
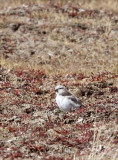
(65, 100)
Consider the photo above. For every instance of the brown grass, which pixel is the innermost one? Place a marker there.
(83, 51)
(107, 4)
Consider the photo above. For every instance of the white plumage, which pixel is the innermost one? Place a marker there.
(65, 100)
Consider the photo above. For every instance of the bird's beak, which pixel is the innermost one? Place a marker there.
(56, 90)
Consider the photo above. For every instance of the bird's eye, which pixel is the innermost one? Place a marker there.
(60, 88)
(56, 90)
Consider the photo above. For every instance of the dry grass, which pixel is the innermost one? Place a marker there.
(98, 151)
(107, 4)
(87, 44)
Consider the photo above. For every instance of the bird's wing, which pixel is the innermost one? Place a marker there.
(75, 100)
(66, 94)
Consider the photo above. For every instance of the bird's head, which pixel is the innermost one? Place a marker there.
(60, 90)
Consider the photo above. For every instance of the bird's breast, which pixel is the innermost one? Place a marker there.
(59, 100)
(63, 103)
